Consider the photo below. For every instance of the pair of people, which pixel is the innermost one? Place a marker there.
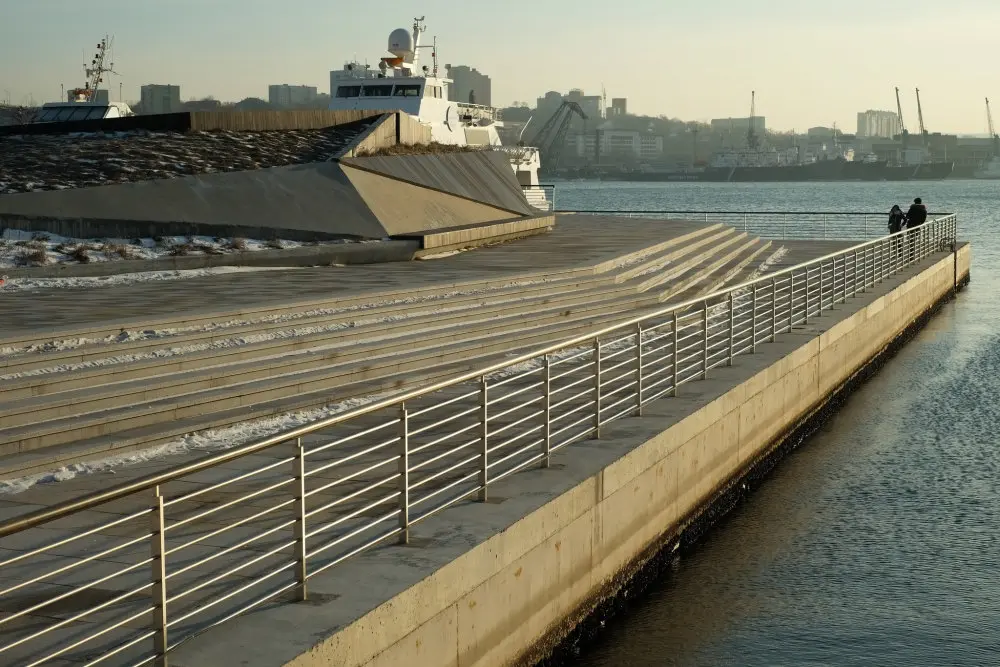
(916, 216)
(912, 219)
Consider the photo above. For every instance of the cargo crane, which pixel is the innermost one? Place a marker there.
(993, 134)
(920, 119)
(904, 133)
(753, 141)
(551, 139)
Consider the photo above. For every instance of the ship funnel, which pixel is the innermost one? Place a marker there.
(401, 44)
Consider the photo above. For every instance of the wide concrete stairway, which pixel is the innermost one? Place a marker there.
(104, 392)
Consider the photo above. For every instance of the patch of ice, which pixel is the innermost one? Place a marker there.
(205, 441)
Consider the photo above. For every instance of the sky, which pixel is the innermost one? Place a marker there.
(810, 62)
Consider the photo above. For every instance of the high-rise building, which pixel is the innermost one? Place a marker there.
(619, 107)
(469, 85)
(157, 98)
(874, 123)
(286, 96)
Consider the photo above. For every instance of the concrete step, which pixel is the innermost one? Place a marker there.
(360, 298)
(560, 295)
(659, 260)
(695, 263)
(144, 425)
(87, 396)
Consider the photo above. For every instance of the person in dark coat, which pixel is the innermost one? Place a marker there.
(915, 217)
(896, 221)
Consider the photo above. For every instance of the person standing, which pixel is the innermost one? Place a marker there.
(915, 217)
(896, 220)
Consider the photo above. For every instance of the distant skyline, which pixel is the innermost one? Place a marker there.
(811, 66)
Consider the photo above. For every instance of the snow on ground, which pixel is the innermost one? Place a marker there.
(19, 248)
(25, 284)
(206, 441)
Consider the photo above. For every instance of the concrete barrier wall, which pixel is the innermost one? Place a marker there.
(492, 604)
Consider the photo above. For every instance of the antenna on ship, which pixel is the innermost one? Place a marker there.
(95, 71)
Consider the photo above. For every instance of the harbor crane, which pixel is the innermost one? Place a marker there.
(904, 133)
(993, 135)
(753, 141)
(920, 119)
(551, 138)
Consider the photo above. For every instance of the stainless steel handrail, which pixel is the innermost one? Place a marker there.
(188, 553)
(150, 481)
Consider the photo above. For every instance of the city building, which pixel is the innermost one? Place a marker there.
(469, 84)
(623, 145)
(619, 107)
(155, 98)
(592, 105)
(882, 124)
(286, 96)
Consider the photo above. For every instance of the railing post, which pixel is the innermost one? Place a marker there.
(547, 438)
(158, 567)
(638, 368)
(805, 314)
(483, 438)
(791, 300)
(301, 592)
(774, 309)
(597, 388)
(673, 355)
(732, 325)
(403, 469)
(854, 276)
(753, 319)
(704, 341)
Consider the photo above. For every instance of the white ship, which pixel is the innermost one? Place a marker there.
(88, 102)
(402, 83)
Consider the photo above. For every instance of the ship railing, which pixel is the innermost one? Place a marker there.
(778, 225)
(479, 111)
(131, 571)
(542, 196)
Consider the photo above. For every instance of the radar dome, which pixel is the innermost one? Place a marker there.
(401, 44)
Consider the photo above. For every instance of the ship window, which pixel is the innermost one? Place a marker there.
(408, 91)
(349, 91)
(377, 91)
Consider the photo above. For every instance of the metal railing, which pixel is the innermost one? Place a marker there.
(542, 197)
(785, 225)
(126, 574)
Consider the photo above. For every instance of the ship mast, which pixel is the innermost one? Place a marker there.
(753, 141)
(95, 71)
(993, 134)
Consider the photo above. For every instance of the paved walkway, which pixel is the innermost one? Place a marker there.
(228, 545)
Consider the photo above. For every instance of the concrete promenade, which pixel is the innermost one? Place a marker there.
(495, 583)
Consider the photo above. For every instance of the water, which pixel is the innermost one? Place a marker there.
(878, 542)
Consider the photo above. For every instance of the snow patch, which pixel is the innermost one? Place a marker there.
(205, 441)
(26, 284)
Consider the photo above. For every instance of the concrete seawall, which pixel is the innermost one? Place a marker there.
(521, 588)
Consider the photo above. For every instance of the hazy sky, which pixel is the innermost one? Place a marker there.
(811, 62)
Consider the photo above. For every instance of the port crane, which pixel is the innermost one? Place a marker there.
(920, 119)
(993, 135)
(753, 141)
(904, 133)
(551, 138)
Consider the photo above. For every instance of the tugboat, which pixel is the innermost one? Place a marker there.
(401, 83)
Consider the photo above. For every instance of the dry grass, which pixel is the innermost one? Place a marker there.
(35, 257)
(432, 148)
(80, 254)
(237, 244)
(275, 244)
(113, 250)
(180, 250)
